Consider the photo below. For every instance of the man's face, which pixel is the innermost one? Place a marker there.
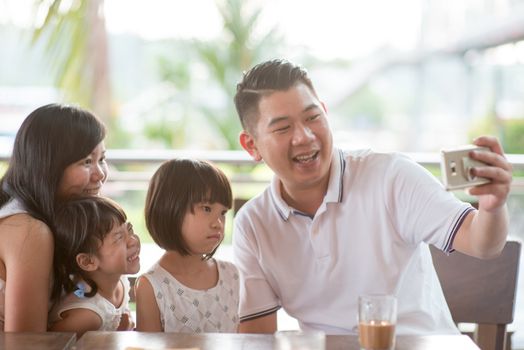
(292, 136)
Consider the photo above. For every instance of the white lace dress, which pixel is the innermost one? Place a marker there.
(187, 310)
(108, 313)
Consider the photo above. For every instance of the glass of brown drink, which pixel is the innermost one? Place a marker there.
(377, 316)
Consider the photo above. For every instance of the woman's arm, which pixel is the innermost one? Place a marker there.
(147, 312)
(28, 256)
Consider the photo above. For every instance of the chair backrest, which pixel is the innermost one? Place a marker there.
(481, 291)
(238, 203)
(132, 281)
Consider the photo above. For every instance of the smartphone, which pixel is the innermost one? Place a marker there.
(456, 167)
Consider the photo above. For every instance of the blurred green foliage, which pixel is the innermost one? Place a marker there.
(509, 131)
(3, 168)
(213, 68)
(513, 136)
(364, 109)
(77, 51)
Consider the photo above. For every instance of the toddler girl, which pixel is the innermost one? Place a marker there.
(94, 248)
(188, 290)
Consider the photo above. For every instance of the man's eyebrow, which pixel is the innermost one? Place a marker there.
(277, 120)
(311, 106)
(285, 117)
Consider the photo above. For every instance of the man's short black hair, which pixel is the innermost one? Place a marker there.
(262, 80)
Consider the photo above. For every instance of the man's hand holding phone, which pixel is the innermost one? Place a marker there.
(482, 168)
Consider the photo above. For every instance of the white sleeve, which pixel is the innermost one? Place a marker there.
(421, 208)
(257, 297)
(72, 302)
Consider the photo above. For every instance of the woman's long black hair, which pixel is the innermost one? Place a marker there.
(51, 138)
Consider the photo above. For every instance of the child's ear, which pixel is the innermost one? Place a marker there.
(87, 262)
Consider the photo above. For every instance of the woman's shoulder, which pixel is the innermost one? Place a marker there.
(25, 224)
(24, 231)
(26, 250)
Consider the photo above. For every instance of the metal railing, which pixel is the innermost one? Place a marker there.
(143, 164)
(139, 179)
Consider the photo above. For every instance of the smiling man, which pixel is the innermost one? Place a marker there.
(333, 225)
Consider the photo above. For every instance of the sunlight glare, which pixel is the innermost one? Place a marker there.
(161, 19)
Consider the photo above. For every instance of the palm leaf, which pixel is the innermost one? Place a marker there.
(66, 33)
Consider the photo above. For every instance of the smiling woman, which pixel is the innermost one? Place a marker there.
(51, 139)
(85, 176)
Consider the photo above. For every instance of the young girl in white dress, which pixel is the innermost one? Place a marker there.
(188, 290)
(95, 248)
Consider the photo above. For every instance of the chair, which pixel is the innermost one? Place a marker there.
(481, 291)
(237, 204)
(132, 282)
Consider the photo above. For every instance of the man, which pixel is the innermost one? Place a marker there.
(334, 225)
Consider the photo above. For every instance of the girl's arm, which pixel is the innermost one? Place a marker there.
(28, 257)
(77, 320)
(147, 312)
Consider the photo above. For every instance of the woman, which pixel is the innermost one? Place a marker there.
(58, 153)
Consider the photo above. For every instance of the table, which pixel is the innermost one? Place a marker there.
(213, 341)
(43, 341)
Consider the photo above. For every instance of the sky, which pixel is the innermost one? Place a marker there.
(328, 28)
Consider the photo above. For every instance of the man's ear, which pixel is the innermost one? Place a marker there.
(87, 262)
(248, 143)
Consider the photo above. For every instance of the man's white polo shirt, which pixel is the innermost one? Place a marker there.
(369, 236)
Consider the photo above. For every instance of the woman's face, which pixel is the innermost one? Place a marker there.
(86, 176)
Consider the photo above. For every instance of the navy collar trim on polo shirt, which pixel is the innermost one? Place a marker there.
(342, 170)
(282, 208)
(296, 212)
(335, 189)
(334, 193)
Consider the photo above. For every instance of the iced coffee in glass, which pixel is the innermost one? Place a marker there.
(377, 316)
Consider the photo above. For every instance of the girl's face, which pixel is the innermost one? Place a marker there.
(86, 176)
(203, 230)
(119, 252)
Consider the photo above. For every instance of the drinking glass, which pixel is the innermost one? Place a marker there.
(377, 316)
